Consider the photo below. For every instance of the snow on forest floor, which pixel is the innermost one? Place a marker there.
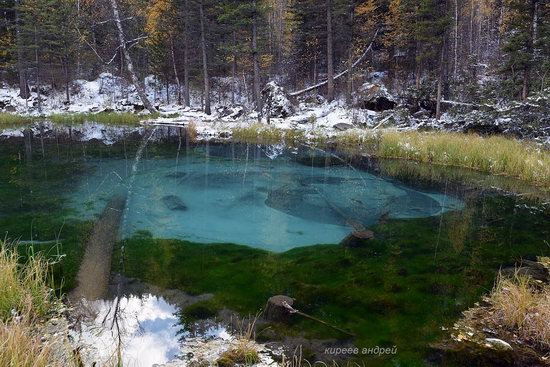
(311, 115)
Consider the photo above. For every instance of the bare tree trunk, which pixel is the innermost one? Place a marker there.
(140, 89)
(532, 31)
(67, 80)
(37, 61)
(207, 108)
(175, 69)
(186, 98)
(330, 54)
(455, 64)
(23, 85)
(234, 69)
(440, 79)
(256, 61)
(350, 58)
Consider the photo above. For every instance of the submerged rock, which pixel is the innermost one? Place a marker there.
(176, 175)
(174, 203)
(357, 238)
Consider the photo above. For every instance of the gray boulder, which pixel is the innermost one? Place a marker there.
(276, 102)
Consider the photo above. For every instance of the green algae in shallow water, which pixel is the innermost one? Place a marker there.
(32, 210)
(414, 278)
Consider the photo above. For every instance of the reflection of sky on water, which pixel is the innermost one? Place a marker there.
(149, 330)
(148, 327)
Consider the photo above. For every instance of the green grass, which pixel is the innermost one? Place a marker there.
(11, 119)
(107, 118)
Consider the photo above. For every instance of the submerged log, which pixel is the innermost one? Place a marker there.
(95, 269)
(277, 308)
(357, 238)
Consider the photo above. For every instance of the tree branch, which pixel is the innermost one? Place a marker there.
(337, 76)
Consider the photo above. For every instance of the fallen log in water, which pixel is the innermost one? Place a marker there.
(95, 269)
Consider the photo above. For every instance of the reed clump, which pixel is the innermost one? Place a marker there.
(495, 155)
(191, 131)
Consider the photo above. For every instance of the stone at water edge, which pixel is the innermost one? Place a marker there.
(357, 238)
(498, 344)
(532, 269)
(275, 309)
(342, 126)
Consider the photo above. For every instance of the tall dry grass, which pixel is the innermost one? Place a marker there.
(21, 347)
(25, 301)
(523, 307)
(24, 285)
(497, 155)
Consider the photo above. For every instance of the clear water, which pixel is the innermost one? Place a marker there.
(272, 204)
(441, 236)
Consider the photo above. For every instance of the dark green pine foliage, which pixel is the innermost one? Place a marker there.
(47, 39)
(429, 32)
(310, 36)
(518, 47)
(542, 46)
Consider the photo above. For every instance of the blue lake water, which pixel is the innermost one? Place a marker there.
(442, 235)
(273, 204)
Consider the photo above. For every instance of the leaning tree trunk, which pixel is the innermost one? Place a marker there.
(256, 61)
(140, 89)
(330, 54)
(207, 109)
